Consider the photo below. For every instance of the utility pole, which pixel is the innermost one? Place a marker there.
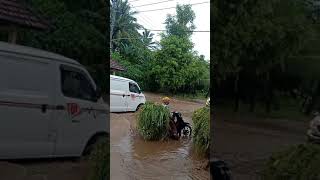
(113, 19)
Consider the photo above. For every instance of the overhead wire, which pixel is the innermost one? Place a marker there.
(134, 1)
(153, 3)
(148, 20)
(143, 18)
(151, 10)
(184, 31)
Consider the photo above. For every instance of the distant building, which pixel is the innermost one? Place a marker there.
(115, 67)
(15, 14)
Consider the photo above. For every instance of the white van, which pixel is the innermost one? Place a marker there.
(49, 105)
(125, 95)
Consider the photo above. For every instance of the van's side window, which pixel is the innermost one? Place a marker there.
(133, 88)
(76, 85)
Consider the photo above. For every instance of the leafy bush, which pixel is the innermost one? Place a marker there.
(295, 163)
(201, 130)
(153, 121)
(100, 162)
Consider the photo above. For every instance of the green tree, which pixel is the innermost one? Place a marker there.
(73, 33)
(176, 67)
(147, 40)
(171, 62)
(181, 24)
(254, 38)
(124, 26)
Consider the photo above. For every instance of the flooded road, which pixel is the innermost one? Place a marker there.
(246, 142)
(133, 158)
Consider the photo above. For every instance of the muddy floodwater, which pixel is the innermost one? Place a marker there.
(133, 158)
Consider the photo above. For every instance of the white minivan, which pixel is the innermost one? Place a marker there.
(125, 95)
(49, 105)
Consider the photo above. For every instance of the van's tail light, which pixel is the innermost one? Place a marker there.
(73, 109)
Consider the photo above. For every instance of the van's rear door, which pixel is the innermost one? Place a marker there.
(25, 107)
(118, 95)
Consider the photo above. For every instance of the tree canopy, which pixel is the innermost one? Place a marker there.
(171, 65)
(255, 43)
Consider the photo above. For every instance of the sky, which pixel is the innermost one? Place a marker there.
(154, 20)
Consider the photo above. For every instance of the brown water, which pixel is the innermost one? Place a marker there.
(133, 158)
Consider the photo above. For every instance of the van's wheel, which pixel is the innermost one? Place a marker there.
(93, 144)
(139, 107)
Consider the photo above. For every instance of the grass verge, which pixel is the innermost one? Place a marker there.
(201, 131)
(295, 163)
(99, 161)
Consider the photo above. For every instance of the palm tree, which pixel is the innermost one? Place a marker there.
(147, 39)
(124, 26)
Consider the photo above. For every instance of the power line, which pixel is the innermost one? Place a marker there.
(146, 20)
(183, 31)
(134, 0)
(151, 10)
(123, 39)
(143, 19)
(153, 3)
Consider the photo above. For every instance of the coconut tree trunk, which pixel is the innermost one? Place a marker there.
(252, 102)
(312, 104)
(269, 93)
(236, 94)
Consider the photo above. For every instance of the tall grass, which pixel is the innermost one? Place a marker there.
(153, 121)
(201, 131)
(99, 161)
(295, 163)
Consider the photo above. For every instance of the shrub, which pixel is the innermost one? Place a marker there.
(99, 161)
(153, 121)
(201, 130)
(295, 163)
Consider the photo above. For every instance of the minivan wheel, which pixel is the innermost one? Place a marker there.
(139, 107)
(93, 145)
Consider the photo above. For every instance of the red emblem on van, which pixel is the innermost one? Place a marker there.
(133, 96)
(73, 109)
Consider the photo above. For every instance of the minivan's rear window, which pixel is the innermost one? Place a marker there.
(29, 76)
(76, 84)
(118, 85)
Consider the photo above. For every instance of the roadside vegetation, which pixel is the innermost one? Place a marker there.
(99, 162)
(288, 109)
(169, 66)
(295, 163)
(76, 30)
(201, 131)
(153, 121)
(270, 57)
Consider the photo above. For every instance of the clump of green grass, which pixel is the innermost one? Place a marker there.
(295, 163)
(153, 121)
(201, 131)
(99, 161)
